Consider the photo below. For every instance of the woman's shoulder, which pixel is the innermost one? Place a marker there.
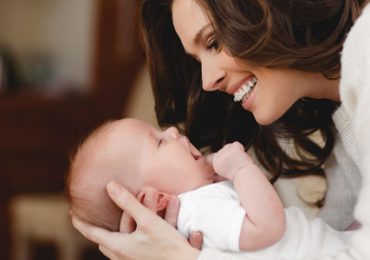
(362, 23)
(359, 33)
(355, 62)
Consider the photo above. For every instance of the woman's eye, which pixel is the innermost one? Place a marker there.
(213, 44)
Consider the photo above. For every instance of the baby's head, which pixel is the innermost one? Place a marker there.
(139, 157)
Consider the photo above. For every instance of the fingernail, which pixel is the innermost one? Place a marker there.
(113, 189)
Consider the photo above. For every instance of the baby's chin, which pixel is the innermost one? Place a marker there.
(218, 178)
(210, 174)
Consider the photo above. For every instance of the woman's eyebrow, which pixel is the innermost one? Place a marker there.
(197, 40)
(200, 33)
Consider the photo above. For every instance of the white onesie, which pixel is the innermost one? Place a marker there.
(215, 211)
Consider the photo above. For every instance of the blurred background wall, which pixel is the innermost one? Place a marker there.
(65, 67)
(59, 30)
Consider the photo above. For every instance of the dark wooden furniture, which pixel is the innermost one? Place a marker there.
(37, 132)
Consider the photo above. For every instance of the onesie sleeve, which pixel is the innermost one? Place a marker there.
(217, 214)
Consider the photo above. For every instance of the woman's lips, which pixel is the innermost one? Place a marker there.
(245, 90)
(248, 99)
(234, 88)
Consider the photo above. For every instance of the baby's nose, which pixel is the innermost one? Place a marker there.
(172, 132)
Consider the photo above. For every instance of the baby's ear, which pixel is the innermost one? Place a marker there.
(162, 198)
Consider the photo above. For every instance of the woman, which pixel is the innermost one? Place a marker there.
(270, 72)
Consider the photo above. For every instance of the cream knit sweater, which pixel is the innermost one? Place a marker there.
(349, 168)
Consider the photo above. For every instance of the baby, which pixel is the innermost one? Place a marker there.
(243, 213)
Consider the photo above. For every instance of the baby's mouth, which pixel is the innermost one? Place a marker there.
(192, 150)
(196, 157)
(245, 90)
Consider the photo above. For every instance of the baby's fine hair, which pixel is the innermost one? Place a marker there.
(101, 212)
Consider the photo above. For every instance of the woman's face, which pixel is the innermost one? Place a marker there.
(267, 93)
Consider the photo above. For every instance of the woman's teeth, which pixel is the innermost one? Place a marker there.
(245, 89)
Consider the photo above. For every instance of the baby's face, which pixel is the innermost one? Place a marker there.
(167, 160)
(138, 156)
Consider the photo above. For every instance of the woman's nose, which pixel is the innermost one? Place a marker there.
(212, 76)
(172, 132)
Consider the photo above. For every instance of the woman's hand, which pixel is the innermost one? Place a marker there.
(153, 237)
(170, 215)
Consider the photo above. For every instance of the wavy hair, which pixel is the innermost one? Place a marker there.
(299, 34)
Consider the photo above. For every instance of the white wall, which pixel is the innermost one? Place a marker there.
(62, 28)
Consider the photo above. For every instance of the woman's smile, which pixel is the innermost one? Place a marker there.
(244, 91)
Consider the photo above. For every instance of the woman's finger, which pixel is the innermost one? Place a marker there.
(96, 234)
(196, 240)
(150, 200)
(127, 223)
(105, 251)
(172, 211)
(126, 201)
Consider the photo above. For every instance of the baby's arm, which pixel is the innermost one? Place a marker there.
(264, 223)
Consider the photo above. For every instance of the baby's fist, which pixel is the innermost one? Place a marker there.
(228, 161)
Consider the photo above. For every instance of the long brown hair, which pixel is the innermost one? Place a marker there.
(299, 34)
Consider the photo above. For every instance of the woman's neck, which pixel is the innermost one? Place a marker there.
(324, 88)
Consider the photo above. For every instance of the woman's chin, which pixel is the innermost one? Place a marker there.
(265, 119)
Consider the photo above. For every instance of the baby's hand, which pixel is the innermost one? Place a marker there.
(232, 158)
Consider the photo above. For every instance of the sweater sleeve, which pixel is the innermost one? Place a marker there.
(355, 96)
(355, 93)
